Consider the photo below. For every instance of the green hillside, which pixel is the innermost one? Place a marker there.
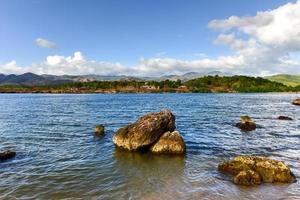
(236, 84)
(290, 80)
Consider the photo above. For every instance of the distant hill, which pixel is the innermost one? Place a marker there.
(89, 78)
(30, 79)
(27, 79)
(192, 75)
(236, 84)
(289, 80)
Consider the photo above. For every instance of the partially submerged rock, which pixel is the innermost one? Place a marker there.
(246, 124)
(99, 130)
(145, 131)
(7, 155)
(284, 118)
(249, 170)
(169, 143)
(296, 102)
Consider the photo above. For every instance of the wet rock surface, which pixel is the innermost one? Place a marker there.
(99, 130)
(247, 177)
(249, 170)
(169, 143)
(246, 124)
(296, 102)
(145, 131)
(284, 118)
(7, 155)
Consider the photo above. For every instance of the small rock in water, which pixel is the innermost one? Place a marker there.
(246, 124)
(99, 130)
(252, 170)
(7, 155)
(169, 143)
(296, 102)
(284, 118)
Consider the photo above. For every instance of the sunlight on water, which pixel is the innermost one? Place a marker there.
(59, 157)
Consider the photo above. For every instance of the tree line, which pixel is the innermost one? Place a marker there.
(202, 84)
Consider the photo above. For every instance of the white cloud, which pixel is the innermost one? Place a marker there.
(78, 64)
(270, 37)
(261, 45)
(45, 43)
(61, 65)
(11, 68)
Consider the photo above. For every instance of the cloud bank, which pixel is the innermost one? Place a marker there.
(262, 44)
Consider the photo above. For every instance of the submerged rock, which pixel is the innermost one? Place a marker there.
(246, 170)
(296, 102)
(145, 131)
(246, 124)
(7, 155)
(284, 118)
(99, 130)
(169, 143)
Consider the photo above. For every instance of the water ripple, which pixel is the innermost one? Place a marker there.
(58, 156)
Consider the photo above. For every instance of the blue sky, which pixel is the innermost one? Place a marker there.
(110, 32)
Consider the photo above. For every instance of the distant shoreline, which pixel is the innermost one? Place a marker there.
(207, 84)
(149, 93)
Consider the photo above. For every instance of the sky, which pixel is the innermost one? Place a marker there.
(149, 38)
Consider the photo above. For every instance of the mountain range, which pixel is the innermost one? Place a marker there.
(31, 79)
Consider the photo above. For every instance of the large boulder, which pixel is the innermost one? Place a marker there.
(145, 131)
(246, 170)
(296, 102)
(7, 155)
(246, 124)
(169, 143)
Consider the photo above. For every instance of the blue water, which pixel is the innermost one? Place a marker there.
(58, 156)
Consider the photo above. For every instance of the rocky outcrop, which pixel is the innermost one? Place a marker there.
(246, 124)
(252, 170)
(7, 155)
(169, 143)
(145, 131)
(296, 102)
(99, 130)
(284, 118)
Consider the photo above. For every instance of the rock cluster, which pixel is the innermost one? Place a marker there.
(246, 124)
(153, 132)
(253, 170)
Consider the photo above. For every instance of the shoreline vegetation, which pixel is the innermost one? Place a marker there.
(206, 84)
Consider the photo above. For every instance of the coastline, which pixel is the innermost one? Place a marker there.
(162, 92)
(207, 84)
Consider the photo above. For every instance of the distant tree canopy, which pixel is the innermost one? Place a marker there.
(236, 84)
(124, 83)
(203, 84)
